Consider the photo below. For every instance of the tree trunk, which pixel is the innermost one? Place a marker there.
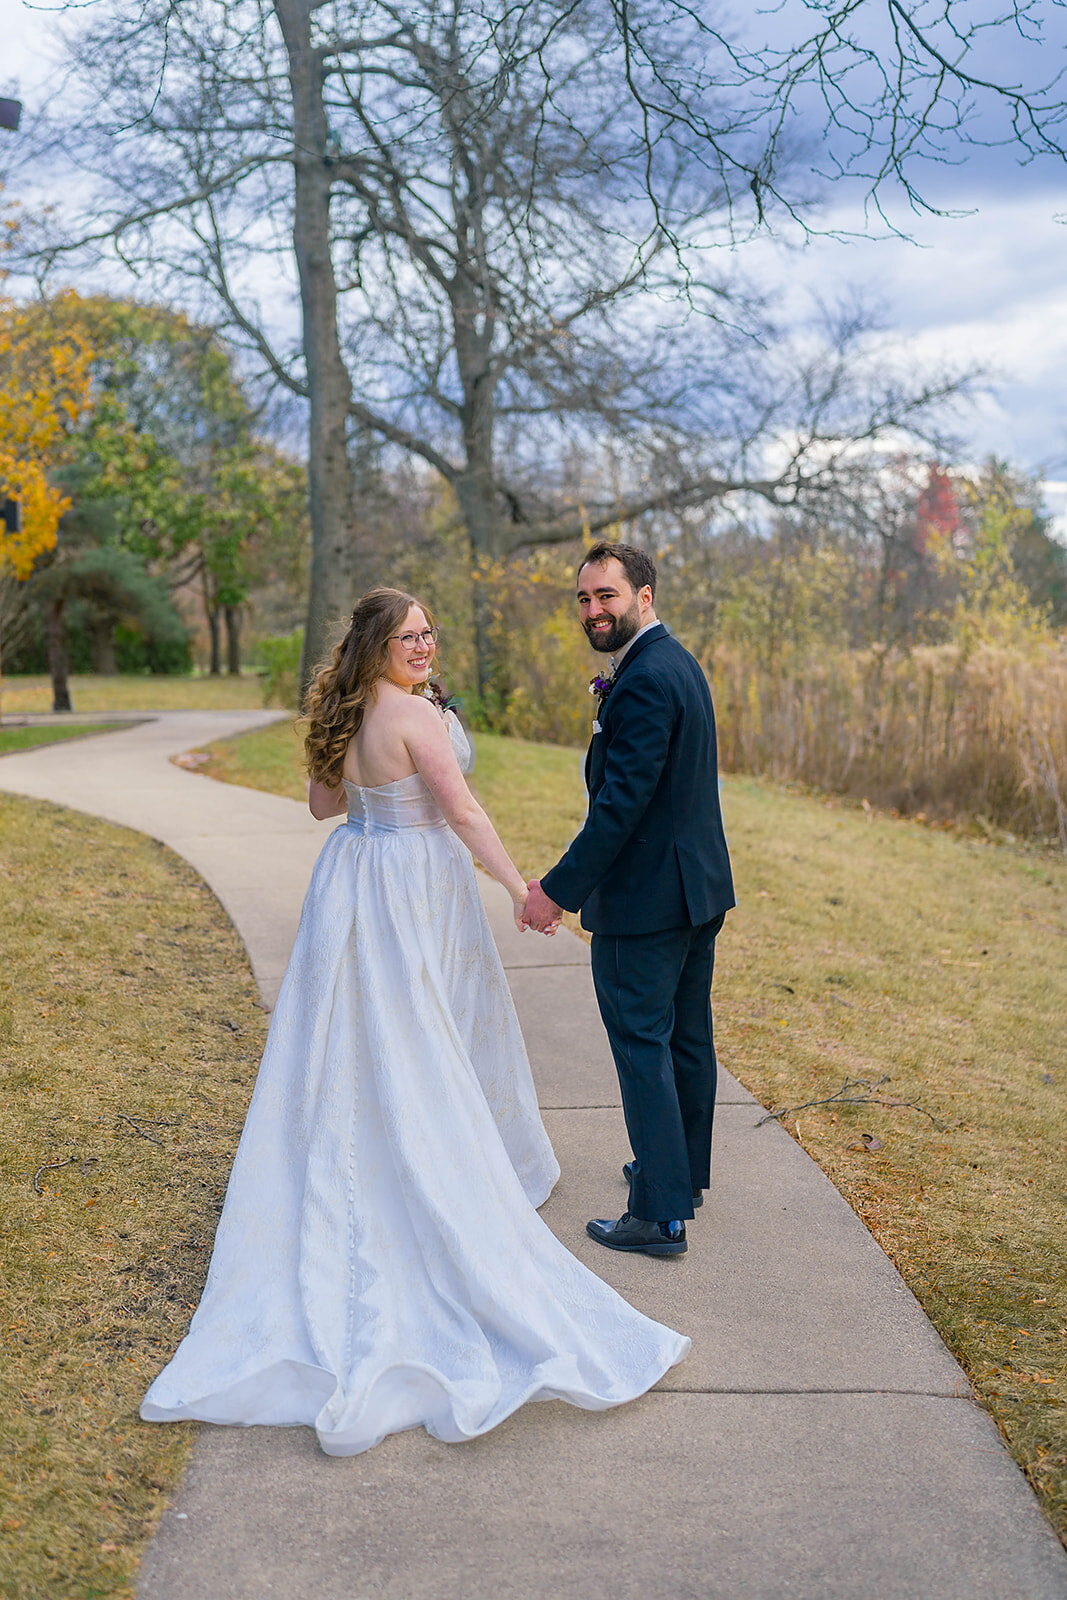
(105, 656)
(330, 501)
(476, 508)
(214, 631)
(57, 647)
(232, 616)
(473, 324)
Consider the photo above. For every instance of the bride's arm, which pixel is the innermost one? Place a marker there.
(430, 748)
(324, 801)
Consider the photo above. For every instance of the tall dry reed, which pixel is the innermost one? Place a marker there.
(937, 731)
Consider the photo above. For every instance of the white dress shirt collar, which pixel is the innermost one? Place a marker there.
(617, 657)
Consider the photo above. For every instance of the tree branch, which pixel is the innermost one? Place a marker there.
(402, 437)
(694, 492)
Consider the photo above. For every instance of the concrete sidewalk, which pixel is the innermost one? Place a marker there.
(819, 1442)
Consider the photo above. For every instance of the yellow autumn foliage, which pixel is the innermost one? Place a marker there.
(44, 393)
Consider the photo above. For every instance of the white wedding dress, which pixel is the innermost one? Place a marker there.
(379, 1263)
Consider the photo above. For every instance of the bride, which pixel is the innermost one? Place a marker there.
(379, 1263)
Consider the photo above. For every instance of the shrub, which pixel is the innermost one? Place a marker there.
(279, 656)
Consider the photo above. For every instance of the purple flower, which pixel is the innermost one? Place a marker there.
(601, 686)
(434, 691)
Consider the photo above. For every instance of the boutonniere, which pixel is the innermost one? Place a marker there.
(444, 702)
(601, 686)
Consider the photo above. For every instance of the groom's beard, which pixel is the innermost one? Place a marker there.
(622, 630)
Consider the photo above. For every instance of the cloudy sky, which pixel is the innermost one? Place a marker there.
(988, 287)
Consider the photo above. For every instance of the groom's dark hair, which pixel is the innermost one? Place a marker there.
(638, 565)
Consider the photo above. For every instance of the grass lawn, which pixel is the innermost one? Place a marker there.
(33, 695)
(130, 1034)
(874, 948)
(27, 738)
(129, 1039)
(866, 947)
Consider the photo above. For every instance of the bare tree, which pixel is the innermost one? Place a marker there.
(503, 222)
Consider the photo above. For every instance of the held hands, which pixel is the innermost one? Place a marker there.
(540, 912)
(519, 898)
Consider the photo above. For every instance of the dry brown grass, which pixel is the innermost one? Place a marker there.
(129, 1037)
(866, 946)
(979, 737)
(134, 692)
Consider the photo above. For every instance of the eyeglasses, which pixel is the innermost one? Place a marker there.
(427, 638)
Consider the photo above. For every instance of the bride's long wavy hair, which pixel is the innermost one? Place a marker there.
(343, 687)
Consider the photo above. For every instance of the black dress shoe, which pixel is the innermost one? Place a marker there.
(628, 1173)
(632, 1233)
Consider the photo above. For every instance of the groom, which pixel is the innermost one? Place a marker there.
(651, 874)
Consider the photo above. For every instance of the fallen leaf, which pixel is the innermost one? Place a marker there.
(866, 1141)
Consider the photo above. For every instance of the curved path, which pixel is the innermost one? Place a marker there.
(819, 1442)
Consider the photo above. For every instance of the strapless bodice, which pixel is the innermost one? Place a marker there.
(406, 802)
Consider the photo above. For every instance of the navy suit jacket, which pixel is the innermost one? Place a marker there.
(652, 853)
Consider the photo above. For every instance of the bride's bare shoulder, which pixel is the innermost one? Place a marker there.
(420, 712)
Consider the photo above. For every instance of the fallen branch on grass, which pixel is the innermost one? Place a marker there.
(50, 1166)
(83, 1163)
(136, 1126)
(842, 1097)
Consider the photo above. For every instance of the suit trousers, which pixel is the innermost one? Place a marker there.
(654, 993)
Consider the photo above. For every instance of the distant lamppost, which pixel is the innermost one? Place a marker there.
(11, 520)
(10, 112)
